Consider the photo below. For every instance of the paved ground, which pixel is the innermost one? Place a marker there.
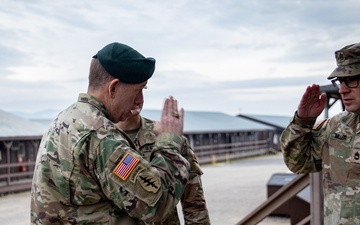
(232, 191)
(236, 189)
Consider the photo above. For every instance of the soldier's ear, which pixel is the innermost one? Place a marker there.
(114, 85)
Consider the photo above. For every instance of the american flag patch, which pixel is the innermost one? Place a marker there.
(319, 124)
(126, 165)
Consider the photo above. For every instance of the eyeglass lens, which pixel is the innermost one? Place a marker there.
(352, 82)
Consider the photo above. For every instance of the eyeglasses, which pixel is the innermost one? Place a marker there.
(350, 82)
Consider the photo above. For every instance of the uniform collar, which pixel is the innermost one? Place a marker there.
(145, 134)
(89, 99)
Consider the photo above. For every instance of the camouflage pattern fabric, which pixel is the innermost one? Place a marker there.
(348, 61)
(193, 201)
(332, 147)
(75, 180)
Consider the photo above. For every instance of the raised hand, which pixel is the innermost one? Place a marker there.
(312, 102)
(172, 120)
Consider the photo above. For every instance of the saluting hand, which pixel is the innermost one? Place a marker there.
(172, 119)
(312, 102)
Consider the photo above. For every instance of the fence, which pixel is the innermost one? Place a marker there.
(17, 175)
(16, 178)
(231, 151)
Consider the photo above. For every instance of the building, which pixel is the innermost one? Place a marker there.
(214, 136)
(277, 122)
(219, 135)
(19, 141)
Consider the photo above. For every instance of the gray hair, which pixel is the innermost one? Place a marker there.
(98, 75)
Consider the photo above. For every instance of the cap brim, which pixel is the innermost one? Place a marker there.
(345, 71)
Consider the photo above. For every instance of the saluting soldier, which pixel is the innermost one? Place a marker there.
(87, 170)
(333, 145)
(141, 131)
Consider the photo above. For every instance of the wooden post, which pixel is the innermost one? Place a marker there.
(213, 159)
(317, 199)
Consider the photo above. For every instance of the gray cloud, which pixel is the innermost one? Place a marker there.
(10, 56)
(224, 56)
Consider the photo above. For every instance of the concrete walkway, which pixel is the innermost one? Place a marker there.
(232, 190)
(235, 189)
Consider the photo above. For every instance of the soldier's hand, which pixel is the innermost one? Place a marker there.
(172, 119)
(312, 102)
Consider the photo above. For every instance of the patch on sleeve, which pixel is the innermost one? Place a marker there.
(149, 182)
(319, 124)
(125, 166)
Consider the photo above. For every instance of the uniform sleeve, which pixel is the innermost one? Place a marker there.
(193, 200)
(144, 190)
(302, 145)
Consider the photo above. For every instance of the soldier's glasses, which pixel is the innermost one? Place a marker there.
(350, 82)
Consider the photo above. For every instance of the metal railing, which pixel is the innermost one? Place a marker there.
(225, 152)
(287, 192)
(16, 179)
(276, 200)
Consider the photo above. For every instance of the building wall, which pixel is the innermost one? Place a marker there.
(18, 155)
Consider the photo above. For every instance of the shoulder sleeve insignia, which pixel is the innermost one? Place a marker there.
(125, 166)
(149, 182)
(319, 124)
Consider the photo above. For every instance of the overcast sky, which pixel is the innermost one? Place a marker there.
(230, 56)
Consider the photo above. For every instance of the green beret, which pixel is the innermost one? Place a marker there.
(125, 63)
(348, 62)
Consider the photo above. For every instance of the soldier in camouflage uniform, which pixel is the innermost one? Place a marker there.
(140, 130)
(333, 145)
(87, 170)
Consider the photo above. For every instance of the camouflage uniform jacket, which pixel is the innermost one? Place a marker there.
(193, 202)
(332, 147)
(87, 172)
